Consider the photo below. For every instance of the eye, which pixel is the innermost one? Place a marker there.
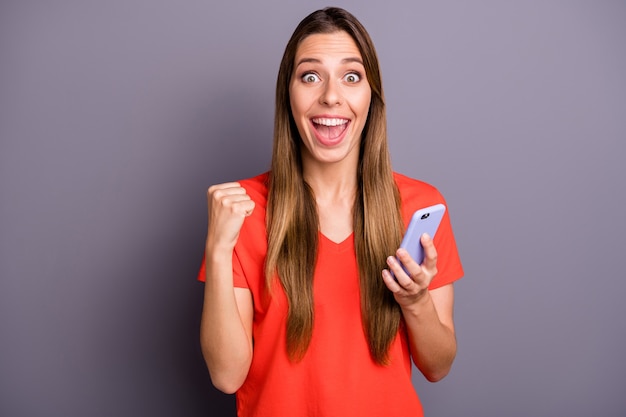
(310, 77)
(352, 77)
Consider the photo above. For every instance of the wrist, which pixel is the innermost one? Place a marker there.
(217, 254)
(219, 264)
(215, 249)
(420, 304)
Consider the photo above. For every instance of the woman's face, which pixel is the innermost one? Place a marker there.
(330, 97)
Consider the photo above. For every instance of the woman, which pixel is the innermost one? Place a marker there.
(301, 313)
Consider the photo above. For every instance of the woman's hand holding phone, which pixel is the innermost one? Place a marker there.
(410, 280)
(415, 264)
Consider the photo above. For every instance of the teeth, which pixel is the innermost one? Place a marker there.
(329, 122)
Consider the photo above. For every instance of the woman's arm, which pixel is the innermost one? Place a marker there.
(226, 326)
(428, 314)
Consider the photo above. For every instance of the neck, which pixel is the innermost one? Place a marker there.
(335, 188)
(331, 181)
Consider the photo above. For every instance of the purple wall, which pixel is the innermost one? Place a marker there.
(115, 116)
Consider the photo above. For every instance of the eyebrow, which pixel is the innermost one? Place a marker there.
(317, 61)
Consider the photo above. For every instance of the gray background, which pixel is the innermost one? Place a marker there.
(116, 115)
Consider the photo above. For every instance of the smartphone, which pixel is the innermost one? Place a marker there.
(424, 220)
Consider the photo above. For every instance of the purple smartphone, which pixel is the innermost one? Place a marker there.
(424, 220)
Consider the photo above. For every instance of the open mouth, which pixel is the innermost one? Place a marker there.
(330, 129)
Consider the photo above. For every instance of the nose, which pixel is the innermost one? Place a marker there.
(331, 94)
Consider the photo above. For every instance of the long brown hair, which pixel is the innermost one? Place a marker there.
(292, 219)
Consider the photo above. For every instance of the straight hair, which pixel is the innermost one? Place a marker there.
(292, 218)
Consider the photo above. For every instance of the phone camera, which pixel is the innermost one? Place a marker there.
(425, 216)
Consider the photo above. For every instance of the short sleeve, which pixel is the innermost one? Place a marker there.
(417, 195)
(239, 278)
(449, 267)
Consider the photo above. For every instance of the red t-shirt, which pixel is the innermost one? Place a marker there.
(337, 376)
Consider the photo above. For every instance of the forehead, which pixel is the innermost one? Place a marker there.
(327, 45)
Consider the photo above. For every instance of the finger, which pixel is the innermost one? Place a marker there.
(247, 207)
(413, 269)
(224, 185)
(390, 282)
(401, 276)
(430, 252)
(234, 199)
(240, 204)
(220, 191)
